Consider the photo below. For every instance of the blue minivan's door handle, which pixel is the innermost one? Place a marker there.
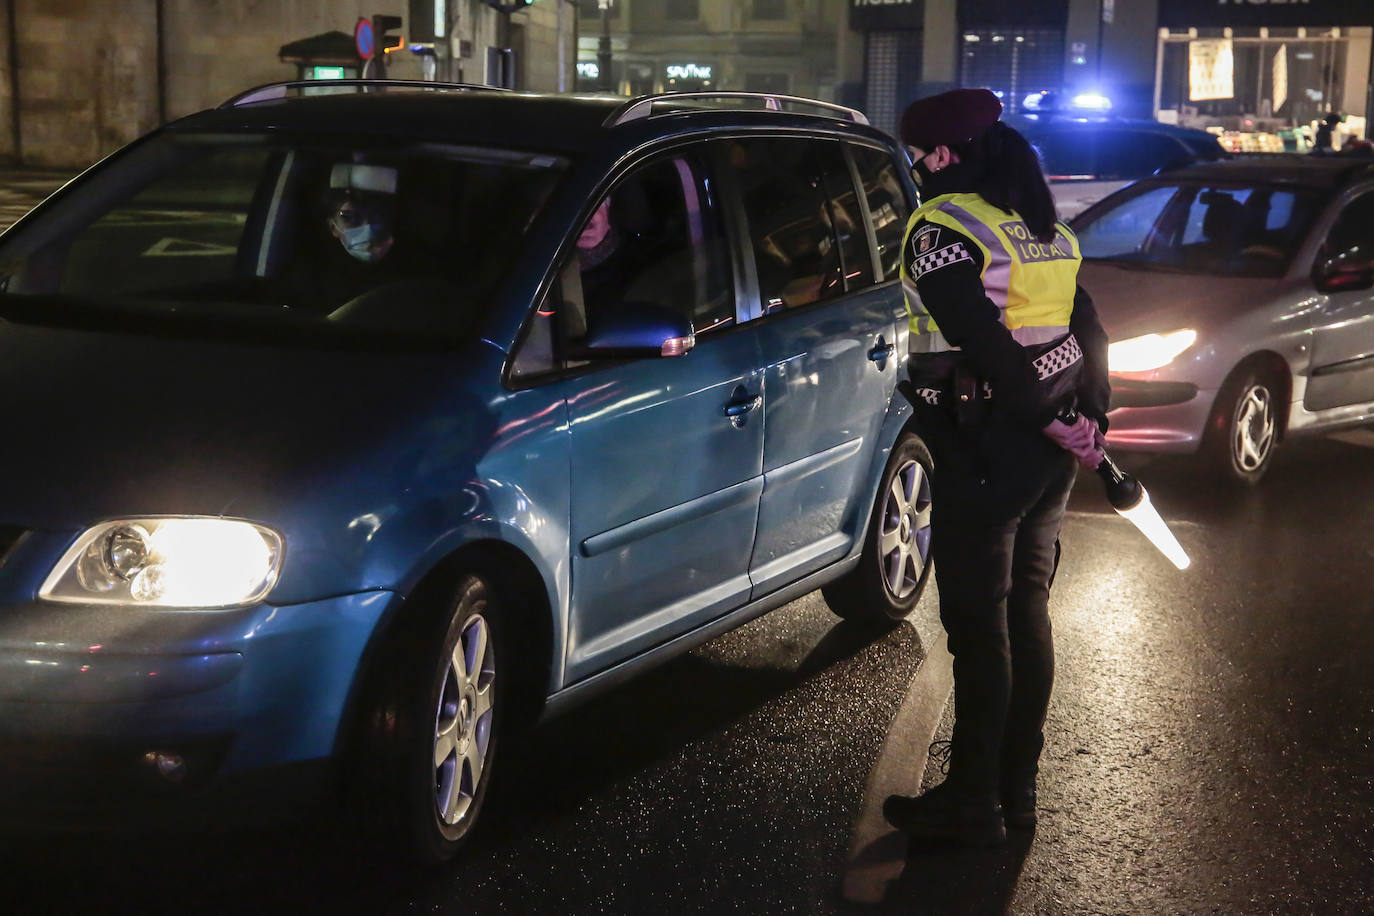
(882, 352)
(737, 409)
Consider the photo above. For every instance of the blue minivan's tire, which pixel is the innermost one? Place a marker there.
(435, 724)
(894, 568)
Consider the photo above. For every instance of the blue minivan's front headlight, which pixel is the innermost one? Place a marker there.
(187, 562)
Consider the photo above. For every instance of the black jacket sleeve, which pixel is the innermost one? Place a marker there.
(1094, 388)
(947, 273)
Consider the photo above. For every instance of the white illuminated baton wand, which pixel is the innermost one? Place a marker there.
(1128, 497)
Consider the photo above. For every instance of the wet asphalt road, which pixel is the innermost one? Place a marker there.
(1210, 751)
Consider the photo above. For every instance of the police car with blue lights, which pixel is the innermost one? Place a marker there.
(1088, 152)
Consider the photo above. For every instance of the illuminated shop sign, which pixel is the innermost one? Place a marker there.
(885, 14)
(1183, 14)
(687, 71)
(588, 70)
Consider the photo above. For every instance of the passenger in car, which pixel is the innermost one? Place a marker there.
(602, 273)
(1002, 341)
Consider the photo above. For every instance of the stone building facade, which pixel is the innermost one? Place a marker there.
(80, 78)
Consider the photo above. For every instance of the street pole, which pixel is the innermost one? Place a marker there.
(603, 47)
(16, 124)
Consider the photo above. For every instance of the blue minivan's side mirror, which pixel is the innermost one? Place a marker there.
(637, 329)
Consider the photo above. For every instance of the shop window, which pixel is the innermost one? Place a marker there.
(1012, 62)
(778, 83)
(768, 9)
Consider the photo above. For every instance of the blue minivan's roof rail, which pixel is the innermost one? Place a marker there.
(643, 106)
(282, 90)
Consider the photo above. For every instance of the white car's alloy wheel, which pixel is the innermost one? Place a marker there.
(1253, 431)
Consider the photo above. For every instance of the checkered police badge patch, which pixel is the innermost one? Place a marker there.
(942, 257)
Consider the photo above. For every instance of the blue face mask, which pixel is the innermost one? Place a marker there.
(357, 241)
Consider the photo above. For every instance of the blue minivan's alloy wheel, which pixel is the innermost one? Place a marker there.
(904, 539)
(449, 754)
(462, 723)
(892, 574)
(432, 724)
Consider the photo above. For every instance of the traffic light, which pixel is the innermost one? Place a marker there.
(382, 25)
(428, 22)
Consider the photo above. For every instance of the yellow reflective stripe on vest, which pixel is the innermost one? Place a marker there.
(1031, 283)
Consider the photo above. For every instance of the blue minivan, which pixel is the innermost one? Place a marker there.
(353, 424)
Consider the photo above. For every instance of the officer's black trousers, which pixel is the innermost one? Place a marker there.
(999, 493)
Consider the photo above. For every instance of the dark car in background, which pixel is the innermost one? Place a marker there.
(334, 453)
(1239, 300)
(1087, 158)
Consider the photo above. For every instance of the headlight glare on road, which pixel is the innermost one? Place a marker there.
(1149, 351)
(168, 562)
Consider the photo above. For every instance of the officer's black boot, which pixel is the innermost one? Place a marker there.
(943, 815)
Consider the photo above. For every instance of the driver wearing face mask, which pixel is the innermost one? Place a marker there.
(362, 216)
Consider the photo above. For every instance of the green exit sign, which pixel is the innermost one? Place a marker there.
(326, 73)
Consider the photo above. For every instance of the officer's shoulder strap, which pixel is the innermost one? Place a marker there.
(961, 212)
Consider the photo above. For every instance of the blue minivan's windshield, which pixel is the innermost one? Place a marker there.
(282, 231)
(1226, 230)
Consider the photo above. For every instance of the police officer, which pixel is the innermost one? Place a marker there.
(1003, 341)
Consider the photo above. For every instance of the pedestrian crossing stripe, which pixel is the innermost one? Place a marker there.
(175, 248)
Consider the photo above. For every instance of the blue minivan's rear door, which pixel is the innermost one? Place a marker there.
(827, 331)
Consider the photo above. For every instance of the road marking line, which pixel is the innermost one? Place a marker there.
(177, 248)
(877, 852)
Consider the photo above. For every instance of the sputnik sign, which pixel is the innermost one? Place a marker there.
(687, 71)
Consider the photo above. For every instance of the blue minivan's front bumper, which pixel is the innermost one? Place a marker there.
(157, 704)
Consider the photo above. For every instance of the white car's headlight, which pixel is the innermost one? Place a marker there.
(168, 562)
(1150, 351)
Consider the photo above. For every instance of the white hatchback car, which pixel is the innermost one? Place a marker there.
(1237, 296)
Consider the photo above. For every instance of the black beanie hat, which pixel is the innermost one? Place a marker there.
(949, 118)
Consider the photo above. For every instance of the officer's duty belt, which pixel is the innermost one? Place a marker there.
(1047, 364)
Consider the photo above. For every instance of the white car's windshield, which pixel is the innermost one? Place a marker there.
(1224, 229)
(346, 233)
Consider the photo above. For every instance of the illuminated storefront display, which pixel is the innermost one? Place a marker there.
(1264, 74)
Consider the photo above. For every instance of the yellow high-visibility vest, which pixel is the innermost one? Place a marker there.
(1032, 283)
